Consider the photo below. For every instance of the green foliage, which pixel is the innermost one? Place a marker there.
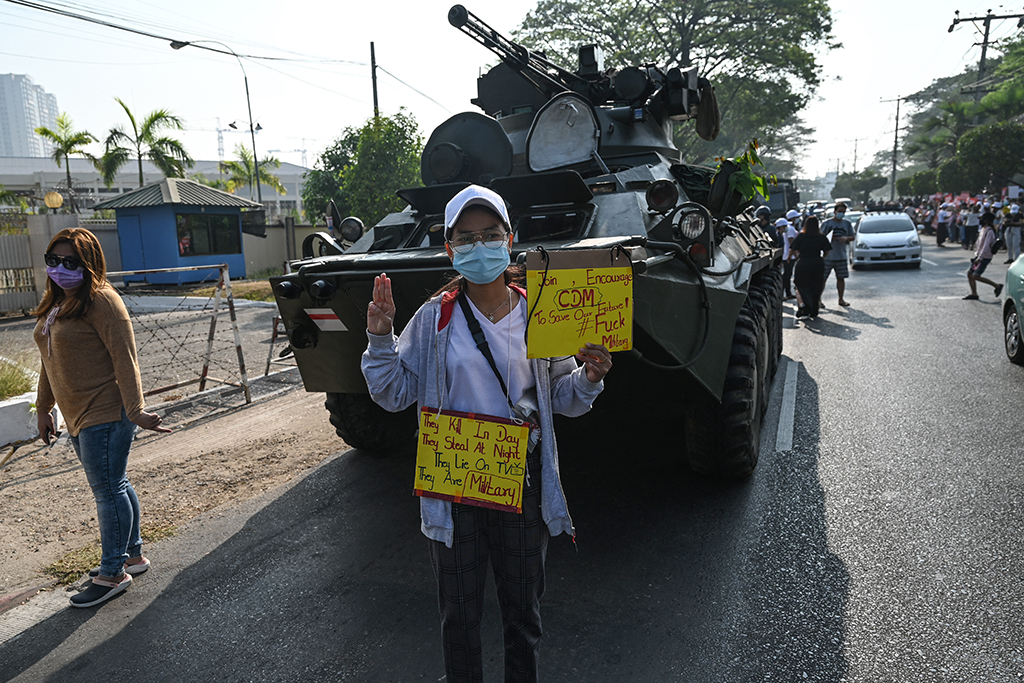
(989, 156)
(761, 57)
(67, 141)
(924, 182)
(387, 159)
(144, 140)
(858, 186)
(904, 186)
(8, 198)
(14, 381)
(952, 179)
(323, 181)
(745, 180)
(241, 169)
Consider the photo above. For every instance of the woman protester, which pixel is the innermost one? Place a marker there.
(436, 363)
(809, 272)
(982, 257)
(89, 369)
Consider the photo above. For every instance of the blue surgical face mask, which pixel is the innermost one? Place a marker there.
(481, 265)
(840, 215)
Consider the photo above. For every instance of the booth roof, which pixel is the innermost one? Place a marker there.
(176, 191)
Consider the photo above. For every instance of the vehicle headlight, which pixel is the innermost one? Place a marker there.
(913, 241)
(860, 245)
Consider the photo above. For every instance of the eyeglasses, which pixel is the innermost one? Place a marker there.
(492, 239)
(70, 262)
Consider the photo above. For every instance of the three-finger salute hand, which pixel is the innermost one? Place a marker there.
(380, 313)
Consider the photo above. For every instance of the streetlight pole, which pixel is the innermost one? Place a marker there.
(177, 45)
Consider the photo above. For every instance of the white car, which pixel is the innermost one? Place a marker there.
(886, 238)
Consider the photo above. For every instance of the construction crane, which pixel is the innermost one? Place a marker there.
(292, 151)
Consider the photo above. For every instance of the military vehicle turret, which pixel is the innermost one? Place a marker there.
(583, 158)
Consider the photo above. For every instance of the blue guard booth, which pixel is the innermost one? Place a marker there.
(176, 223)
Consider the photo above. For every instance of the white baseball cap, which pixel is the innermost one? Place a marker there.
(792, 213)
(781, 223)
(1015, 208)
(997, 205)
(470, 196)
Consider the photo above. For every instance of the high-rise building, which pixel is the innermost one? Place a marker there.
(24, 106)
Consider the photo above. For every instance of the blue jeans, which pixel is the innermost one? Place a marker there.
(103, 451)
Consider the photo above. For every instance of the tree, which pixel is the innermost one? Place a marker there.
(930, 150)
(761, 56)
(858, 186)
(67, 141)
(951, 178)
(387, 159)
(145, 140)
(1004, 104)
(924, 183)
(989, 156)
(7, 197)
(241, 170)
(904, 186)
(323, 181)
(954, 118)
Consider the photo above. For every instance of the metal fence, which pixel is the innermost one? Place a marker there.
(17, 287)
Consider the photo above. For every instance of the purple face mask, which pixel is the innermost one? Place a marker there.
(65, 279)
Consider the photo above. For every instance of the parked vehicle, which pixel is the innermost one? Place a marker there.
(583, 159)
(1013, 310)
(886, 238)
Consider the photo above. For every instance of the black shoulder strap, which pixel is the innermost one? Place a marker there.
(481, 342)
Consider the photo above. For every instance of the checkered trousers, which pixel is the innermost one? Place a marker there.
(516, 546)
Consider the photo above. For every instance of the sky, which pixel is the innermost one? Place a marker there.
(891, 48)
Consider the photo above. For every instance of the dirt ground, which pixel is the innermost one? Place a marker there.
(47, 509)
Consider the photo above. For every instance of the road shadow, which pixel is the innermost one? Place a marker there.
(671, 575)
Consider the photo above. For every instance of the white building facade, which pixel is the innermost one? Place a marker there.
(39, 176)
(24, 106)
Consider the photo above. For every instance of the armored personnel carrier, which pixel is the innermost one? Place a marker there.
(584, 159)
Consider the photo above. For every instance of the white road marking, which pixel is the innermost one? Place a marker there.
(784, 438)
(930, 263)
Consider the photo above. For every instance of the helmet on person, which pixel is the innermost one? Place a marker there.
(763, 212)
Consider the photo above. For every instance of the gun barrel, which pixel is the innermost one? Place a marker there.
(548, 77)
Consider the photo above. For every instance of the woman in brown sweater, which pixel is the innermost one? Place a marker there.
(89, 368)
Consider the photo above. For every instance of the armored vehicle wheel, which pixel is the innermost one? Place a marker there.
(724, 440)
(365, 425)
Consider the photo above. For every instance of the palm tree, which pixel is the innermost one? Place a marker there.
(67, 141)
(954, 119)
(1004, 104)
(240, 171)
(8, 197)
(145, 140)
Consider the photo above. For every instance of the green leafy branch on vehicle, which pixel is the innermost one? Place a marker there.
(745, 180)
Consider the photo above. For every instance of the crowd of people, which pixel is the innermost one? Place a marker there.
(813, 249)
(959, 222)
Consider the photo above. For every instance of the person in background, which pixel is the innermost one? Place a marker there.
(89, 369)
(953, 229)
(809, 272)
(1014, 225)
(982, 257)
(971, 220)
(840, 233)
(436, 363)
(942, 225)
(786, 234)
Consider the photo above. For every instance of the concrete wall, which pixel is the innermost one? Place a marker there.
(271, 252)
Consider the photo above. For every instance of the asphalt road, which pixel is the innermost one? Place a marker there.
(884, 545)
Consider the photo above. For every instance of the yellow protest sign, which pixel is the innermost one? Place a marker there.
(578, 296)
(473, 459)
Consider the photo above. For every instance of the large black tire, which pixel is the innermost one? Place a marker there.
(724, 440)
(365, 425)
(1013, 336)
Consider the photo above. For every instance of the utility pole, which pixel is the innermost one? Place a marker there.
(855, 141)
(984, 43)
(896, 143)
(373, 77)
